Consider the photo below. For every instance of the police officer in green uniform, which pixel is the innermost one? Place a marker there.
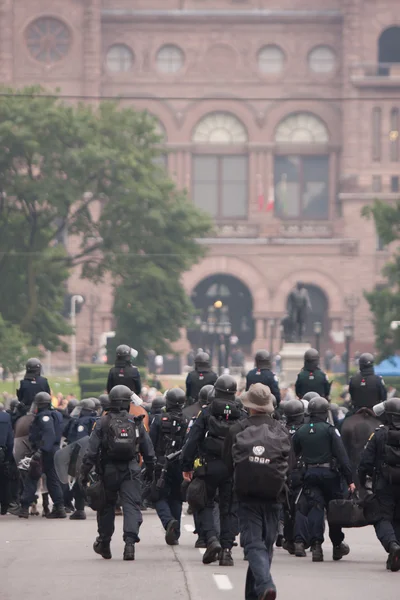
(321, 448)
(366, 389)
(311, 378)
(381, 461)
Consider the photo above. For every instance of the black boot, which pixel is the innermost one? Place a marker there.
(23, 512)
(393, 562)
(317, 553)
(129, 551)
(225, 558)
(299, 550)
(279, 541)
(78, 515)
(102, 548)
(340, 551)
(288, 546)
(213, 551)
(200, 543)
(13, 509)
(58, 512)
(46, 504)
(171, 533)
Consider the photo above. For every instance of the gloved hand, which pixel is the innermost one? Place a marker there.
(149, 472)
(37, 456)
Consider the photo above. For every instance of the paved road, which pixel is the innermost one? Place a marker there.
(38, 555)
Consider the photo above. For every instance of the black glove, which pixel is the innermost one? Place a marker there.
(37, 456)
(149, 472)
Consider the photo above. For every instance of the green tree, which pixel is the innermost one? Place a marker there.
(14, 350)
(385, 301)
(57, 162)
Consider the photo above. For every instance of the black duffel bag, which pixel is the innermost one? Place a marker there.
(347, 513)
(96, 495)
(196, 494)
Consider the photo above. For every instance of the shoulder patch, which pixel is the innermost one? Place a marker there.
(45, 419)
(276, 378)
(81, 428)
(337, 432)
(371, 436)
(94, 425)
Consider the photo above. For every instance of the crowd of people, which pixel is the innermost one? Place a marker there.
(249, 464)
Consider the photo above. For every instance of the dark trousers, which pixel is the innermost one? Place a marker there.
(321, 485)
(120, 481)
(258, 530)
(295, 518)
(388, 527)
(78, 496)
(5, 487)
(53, 483)
(217, 524)
(169, 506)
(217, 482)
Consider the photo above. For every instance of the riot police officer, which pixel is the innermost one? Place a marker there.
(157, 407)
(201, 376)
(115, 446)
(311, 378)
(167, 433)
(78, 428)
(208, 434)
(381, 461)
(263, 374)
(104, 403)
(6, 460)
(193, 410)
(320, 446)
(31, 384)
(45, 437)
(365, 388)
(295, 519)
(123, 372)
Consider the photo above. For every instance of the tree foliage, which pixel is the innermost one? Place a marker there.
(385, 301)
(57, 162)
(14, 350)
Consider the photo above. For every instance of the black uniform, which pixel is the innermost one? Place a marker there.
(366, 389)
(167, 432)
(195, 381)
(381, 460)
(30, 386)
(6, 459)
(267, 377)
(119, 477)
(45, 437)
(124, 373)
(206, 437)
(312, 380)
(320, 444)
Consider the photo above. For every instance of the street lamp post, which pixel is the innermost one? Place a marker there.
(76, 299)
(271, 336)
(348, 334)
(317, 332)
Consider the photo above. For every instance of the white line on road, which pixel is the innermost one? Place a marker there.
(189, 527)
(222, 582)
(202, 550)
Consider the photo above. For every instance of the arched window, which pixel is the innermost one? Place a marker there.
(220, 166)
(376, 133)
(301, 176)
(170, 59)
(48, 40)
(389, 46)
(271, 59)
(119, 58)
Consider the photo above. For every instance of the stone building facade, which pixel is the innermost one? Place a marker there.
(280, 117)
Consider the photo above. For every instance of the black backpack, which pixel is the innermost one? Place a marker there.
(261, 459)
(121, 438)
(391, 457)
(173, 431)
(223, 413)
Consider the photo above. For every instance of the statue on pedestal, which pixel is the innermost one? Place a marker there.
(299, 306)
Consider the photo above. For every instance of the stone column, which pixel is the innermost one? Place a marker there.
(92, 48)
(6, 41)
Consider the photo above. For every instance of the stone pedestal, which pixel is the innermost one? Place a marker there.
(292, 361)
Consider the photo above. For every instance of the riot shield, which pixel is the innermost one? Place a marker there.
(68, 460)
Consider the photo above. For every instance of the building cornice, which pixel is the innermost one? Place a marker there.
(231, 16)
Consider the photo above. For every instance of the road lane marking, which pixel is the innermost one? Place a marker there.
(202, 550)
(222, 582)
(189, 527)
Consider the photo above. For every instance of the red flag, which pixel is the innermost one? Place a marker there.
(271, 199)
(260, 193)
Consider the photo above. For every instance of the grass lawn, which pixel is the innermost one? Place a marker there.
(63, 385)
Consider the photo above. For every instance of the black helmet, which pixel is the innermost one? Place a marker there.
(13, 404)
(97, 403)
(392, 406)
(175, 398)
(71, 405)
(310, 395)
(202, 361)
(311, 358)
(104, 401)
(293, 408)
(365, 361)
(157, 405)
(203, 394)
(34, 366)
(263, 359)
(211, 395)
(123, 351)
(88, 404)
(318, 406)
(119, 395)
(225, 386)
(42, 399)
